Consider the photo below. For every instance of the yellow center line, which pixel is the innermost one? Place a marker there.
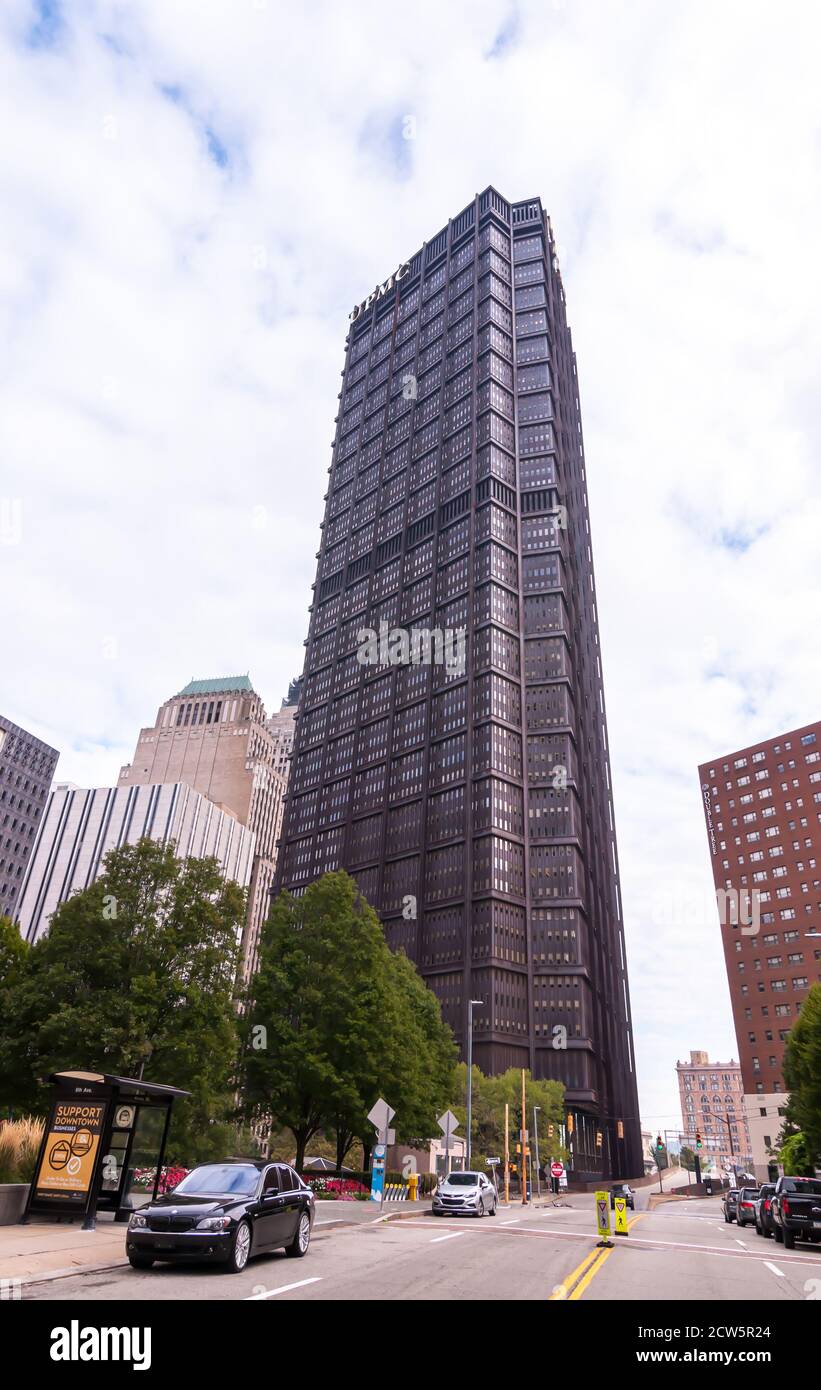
(561, 1291)
(572, 1288)
(602, 1255)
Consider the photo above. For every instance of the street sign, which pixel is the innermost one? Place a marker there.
(620, 1205)
(448, 1123)
(603, 1214)
(493, 1162)
(380, 1116)
(557, 1169)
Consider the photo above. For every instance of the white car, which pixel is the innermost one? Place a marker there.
(465, 1194)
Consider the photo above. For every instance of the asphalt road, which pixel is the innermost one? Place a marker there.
(681, 1252)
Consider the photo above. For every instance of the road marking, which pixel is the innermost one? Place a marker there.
(741, 1243)
(602, 1256)
(561, 1291)
(454, 1235)
(511, 1223)
(775, 1269)
(284, 1288)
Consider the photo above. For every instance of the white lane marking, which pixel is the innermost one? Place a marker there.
(511, 1223)
(775, 1269)
(741, 1243)
(284, 1288)
(454, 1235)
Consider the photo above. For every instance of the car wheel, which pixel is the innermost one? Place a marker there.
(302, 1239)
(789, 1240)
(492, 1211)
(240, 1249)
(141, 1261)
(480, 1210)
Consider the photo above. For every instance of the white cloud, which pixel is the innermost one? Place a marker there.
(194, 196)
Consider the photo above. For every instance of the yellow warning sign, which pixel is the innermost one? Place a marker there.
(71, 1148)
(620, 1207)
(603, 1213)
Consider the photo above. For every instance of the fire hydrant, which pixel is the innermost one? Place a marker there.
(413, 1184)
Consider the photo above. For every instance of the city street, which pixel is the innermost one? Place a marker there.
(682, 1252)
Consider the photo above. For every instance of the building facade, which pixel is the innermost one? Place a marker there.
(451, 746)
(712, 1106)
(26, 773)
(80, 826)
(762, 808)
(215, 737)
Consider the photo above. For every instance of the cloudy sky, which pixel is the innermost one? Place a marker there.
(195, 192)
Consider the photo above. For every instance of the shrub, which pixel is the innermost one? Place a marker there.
(19, 1146)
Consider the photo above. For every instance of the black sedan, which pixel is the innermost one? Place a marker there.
(224, 1213)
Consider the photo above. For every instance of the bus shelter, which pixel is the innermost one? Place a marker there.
(103, 1146)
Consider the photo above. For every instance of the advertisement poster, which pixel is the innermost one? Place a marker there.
(71, 1148)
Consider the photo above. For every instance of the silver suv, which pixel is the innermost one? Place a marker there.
(465, 1194)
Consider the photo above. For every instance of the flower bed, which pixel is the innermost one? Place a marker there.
(169, 1177)
(335, 1189)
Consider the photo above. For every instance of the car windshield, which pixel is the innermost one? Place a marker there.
(462, 1179)
(219, 1180)
(810, 1186)
(748, 1193)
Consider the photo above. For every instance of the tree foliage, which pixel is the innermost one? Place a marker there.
(802, 1072)
(490, 1094)
(134, 978)
(334, 1019)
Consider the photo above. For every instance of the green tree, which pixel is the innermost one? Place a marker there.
(688, 1158)
(802, 1072)
(796, 1157)
(135, 978)
(489, 1096)
(334, 1018)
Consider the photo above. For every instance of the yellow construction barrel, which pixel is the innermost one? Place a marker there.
(413, 1184)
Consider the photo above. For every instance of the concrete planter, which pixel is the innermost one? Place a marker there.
(12, 1202)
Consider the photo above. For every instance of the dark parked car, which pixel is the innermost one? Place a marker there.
(730, 1204)
(763, 1209)
(745, 1210)
(622, 1189)
(795, 1207)
(224, 1213)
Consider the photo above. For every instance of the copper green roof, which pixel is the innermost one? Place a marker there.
(221, 686)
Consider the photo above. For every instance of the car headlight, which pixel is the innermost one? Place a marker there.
(137, 1222)
(214, 1223)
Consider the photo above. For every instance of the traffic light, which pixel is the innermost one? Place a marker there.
(550, 1131)
(698, 1138)
(659, 1144)
(570, 1124)
(598, 1139)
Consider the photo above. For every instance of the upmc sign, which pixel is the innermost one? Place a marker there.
(380, 291)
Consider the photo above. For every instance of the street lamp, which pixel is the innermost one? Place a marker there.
(536, 1110)
(471, 1006)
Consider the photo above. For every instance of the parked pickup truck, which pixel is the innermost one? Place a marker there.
(796, 1210)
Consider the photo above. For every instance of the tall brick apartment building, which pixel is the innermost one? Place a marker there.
(471, 799)
(762, 807)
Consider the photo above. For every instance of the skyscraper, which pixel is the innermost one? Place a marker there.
(451, 747)
(762, 807)
(26, 770)
(213, 736)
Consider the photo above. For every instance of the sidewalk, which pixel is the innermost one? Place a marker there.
(50, 1249)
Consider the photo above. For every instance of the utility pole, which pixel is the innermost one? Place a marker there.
(524, 1141)
(536, 1110)
(471, 1005)
(507, 1154)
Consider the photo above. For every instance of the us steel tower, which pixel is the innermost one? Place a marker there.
(468, 788)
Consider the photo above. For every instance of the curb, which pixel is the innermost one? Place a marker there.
(27, 1279)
